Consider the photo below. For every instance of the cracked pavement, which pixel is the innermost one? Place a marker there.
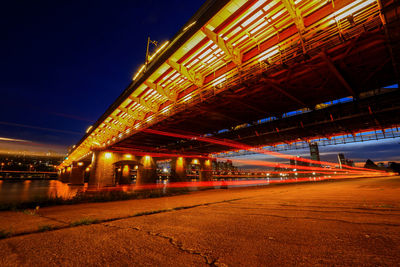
(346, 223)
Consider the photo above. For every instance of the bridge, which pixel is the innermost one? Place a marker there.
(241, 75)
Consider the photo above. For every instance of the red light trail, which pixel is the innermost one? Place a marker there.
(237, 145)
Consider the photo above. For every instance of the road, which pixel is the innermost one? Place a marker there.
(345, 223)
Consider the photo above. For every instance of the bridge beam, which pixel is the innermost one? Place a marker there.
(295, 14)
(137, 114)
(125, 122)
(193, 77)
(166, 92)
(279, 89)
(339, 76)
(232, 53)
(150, 106)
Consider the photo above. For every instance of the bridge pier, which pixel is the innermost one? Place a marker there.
(63, 175)
(77, 175)
(205, 173)
(178, 170)
(110, 168)
(147, 171)
(102, 170)
(67, 174)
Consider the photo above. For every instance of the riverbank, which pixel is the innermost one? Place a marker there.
(345, 222)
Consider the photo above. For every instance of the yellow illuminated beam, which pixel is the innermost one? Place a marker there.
(126, 122)
(151, 106)
(294, 13)
(195, 78)
(233, 53)
(137, 115)
(160, 90)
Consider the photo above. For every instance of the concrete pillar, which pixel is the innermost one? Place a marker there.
(205, 170)
(178, 170)
(102, 170)
(77, 175)
(103, 167)
(64, 175)
(147, 171)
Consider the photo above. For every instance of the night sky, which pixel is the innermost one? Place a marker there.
(64, 62)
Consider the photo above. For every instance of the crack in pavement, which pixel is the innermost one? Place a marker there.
(209, 261)
(173, 242)
(52, 219)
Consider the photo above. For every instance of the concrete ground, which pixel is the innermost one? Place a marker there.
(340, 223)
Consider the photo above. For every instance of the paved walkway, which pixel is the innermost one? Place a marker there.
(348, 222)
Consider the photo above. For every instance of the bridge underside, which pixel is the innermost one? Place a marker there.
(249, 101)
(351, 69)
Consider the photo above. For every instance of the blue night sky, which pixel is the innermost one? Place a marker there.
(64, 62)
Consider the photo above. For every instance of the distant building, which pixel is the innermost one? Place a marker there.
(314, 153)
(296, 162)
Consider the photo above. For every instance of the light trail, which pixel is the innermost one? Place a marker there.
(13, 140)
(202, 184)
(237, 145)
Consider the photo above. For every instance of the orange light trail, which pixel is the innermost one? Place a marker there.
(237, 145)
(197, 184)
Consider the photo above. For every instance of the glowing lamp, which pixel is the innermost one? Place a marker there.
(108, 155)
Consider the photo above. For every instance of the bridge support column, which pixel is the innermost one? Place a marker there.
(147, 171)
(178, 170)
(64, 177)
(206, 173)
(102, 170)
(77, 175)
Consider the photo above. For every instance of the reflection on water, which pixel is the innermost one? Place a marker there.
(23, 191)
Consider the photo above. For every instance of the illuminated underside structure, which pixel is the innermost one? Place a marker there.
(238, 68)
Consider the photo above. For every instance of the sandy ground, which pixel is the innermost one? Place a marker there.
(340, 223)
